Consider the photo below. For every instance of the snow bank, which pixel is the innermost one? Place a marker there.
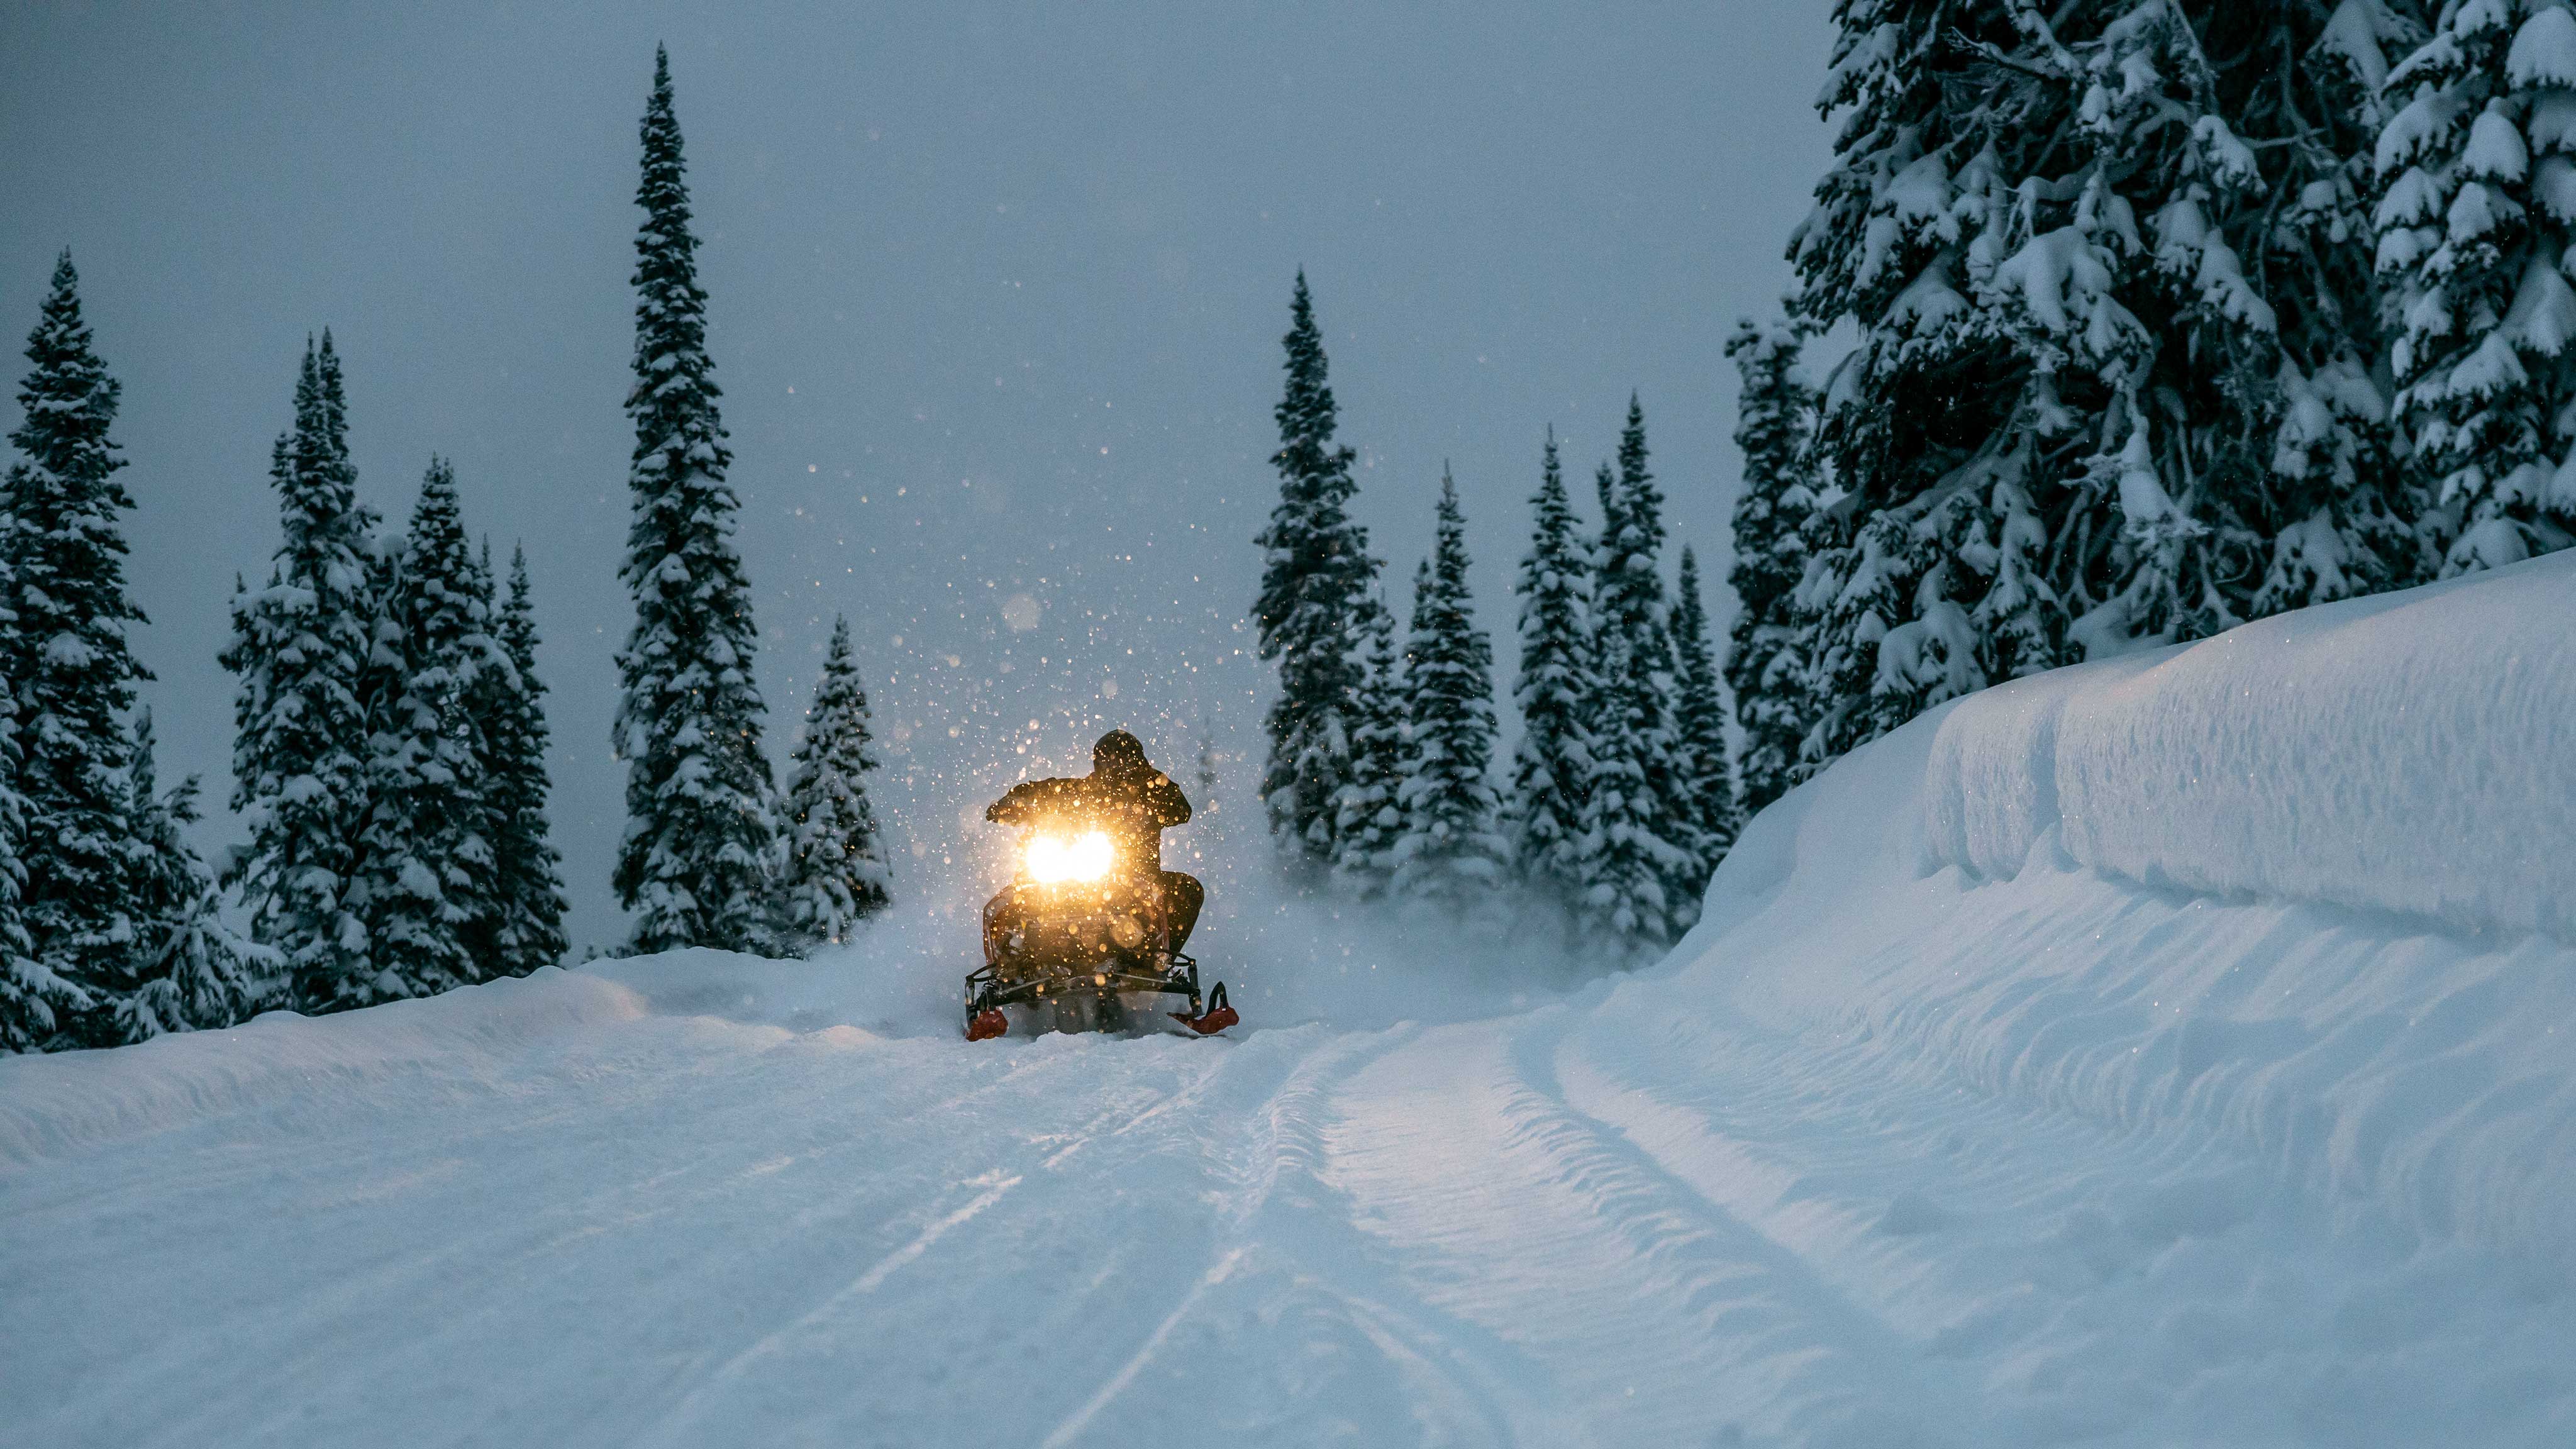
(2303, 894)
(2413, 753)
(59, 1103)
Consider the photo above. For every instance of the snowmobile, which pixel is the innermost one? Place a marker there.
(1074, 939)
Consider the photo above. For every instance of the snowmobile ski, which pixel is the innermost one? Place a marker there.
(989, 990)
(1215, 1019)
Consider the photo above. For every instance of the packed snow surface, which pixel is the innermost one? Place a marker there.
(2180, 1049)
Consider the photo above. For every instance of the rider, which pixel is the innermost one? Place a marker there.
(1133, 803)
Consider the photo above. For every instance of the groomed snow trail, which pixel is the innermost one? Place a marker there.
(1947, 1128)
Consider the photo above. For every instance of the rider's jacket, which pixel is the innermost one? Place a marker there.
(1133, 803)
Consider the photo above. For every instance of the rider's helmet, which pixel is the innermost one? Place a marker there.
(1118, 753)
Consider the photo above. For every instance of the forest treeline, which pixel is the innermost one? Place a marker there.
(389, 755)
(2167, 316)
(2164, 316)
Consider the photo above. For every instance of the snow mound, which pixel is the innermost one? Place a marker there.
(2303, 893)
(56, 1104)
(2413, 753)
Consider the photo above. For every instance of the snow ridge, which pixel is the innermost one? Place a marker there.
(54, 1106)
(2409, 752)
(2306, 889)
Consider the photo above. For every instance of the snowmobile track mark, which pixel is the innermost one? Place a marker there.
(1516, 1212)
(676, 1425)
(1092, 1131)
(1118, 1382)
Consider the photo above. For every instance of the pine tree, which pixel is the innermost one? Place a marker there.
(2473, 233)
(2112, 384)
(34, 1002)
(837, 874)
(1451, 853)
(1316, 575)
(304, 647)
(1367, 820)
(2326, 484)
(427, 887)
(1638, 827)
(1553, 763)
(1771, 514)
(1699, 727)
(1624, 857)
(693, 865)
(527, 883)
(193, 973)
(63, 653)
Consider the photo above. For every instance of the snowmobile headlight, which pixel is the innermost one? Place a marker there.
(1053, 858)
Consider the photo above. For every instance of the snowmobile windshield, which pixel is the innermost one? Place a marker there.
(1054, 855)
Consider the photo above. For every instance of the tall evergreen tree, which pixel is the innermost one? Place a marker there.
(1625, 856)
(837, 874)
(1316, 576)
(1771, 514)
(1637, 829)
(427, 886)
(304, 648)
(34, 1002)
(63, 652)
(693, 864)
(1367, 819)
(192, 973)
(2474, 235)
(1451, 853)
(2109, 272)
(1699, 728)
(1653, 660)
(527, 881)
(1553, 763)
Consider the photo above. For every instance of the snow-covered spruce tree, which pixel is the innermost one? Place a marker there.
(2112, 383)
(194, 973)
(2329, 487)
(1556, 691)
(303, 647)
(34, 1002)
(1451, 853)
(1627, 853)
(63, 654)
(526, 929)
(2474, 233)
(836, 871)
(1316, 574)
(1639, 826)
(1699, 728)
(693, 866)
(426, 888)
(1772, 422)
(1367, 818)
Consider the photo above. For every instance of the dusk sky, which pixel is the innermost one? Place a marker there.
(996, 299)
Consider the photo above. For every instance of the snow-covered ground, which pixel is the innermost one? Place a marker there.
(2175, 1050)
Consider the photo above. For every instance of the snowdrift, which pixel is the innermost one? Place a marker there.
(2412, 753)
(2307, 888)
(51, 1105)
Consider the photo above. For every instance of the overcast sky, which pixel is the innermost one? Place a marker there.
(997, 294)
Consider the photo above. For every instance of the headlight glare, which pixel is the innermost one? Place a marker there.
(1054, 858)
